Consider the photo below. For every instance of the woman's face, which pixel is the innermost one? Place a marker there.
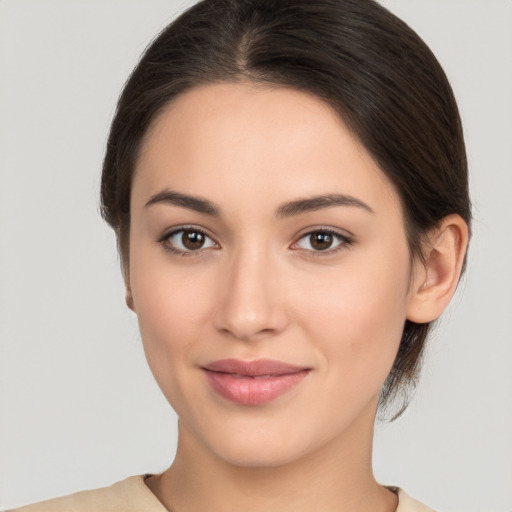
(262, 230)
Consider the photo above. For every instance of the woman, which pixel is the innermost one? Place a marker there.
(288, 186)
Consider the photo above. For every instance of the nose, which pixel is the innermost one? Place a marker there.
(250, 303)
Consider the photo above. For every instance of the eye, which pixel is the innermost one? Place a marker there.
(187, 240)
(323, 240)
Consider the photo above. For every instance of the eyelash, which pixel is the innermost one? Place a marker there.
(344, 241)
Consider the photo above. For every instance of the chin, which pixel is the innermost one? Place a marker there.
(259, 446)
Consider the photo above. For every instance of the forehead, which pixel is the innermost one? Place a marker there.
(256, 141)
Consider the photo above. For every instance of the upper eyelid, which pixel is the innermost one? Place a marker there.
(301, 233)
(343, 233)
(172, 231)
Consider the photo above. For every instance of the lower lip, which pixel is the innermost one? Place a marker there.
(253, 390)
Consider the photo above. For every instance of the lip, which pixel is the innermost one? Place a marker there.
(253, 382)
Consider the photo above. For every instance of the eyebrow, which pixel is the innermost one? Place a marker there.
(197, 204)
(289, 209)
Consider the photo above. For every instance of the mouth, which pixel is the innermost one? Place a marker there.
(253, 382)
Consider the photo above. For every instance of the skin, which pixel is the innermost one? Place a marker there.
(259, 289)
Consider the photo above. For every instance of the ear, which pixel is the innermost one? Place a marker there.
(435, 281)
(128, 290)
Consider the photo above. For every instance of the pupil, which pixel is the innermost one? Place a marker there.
(321, 241)
(192, 240)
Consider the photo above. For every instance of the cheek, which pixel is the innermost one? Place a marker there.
(356, 315)
(172, 315)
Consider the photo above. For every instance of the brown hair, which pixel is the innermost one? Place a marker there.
(373, 69)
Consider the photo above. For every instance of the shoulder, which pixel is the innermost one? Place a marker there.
(408, 504)
(129, 495)
(132, 495)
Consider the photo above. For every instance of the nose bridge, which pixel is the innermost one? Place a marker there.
(249, 300)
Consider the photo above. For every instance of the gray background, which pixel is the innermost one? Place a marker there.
(78, 406)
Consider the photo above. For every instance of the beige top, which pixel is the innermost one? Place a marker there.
(132, 495)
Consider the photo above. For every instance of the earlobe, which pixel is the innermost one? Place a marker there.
(435, 282)
(128, 291)
(129, 299)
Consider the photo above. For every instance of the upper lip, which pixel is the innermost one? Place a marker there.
(255, 368)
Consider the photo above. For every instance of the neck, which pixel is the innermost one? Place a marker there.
(336, 478)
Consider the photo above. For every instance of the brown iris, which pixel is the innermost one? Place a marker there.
(321, 240)
(192, 240)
